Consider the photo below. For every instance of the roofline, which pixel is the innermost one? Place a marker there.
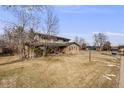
(52, 44)
(70, 43)
(53, 36)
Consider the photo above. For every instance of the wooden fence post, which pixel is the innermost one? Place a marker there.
(121, 82)
(90, 55)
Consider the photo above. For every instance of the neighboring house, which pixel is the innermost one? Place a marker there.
(93, 48)
(55, 45)
(121, 48)
(114, 50)
(1, 46)
(4, 50)
(1, 49)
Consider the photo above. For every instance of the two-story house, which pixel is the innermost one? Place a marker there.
(55, 45)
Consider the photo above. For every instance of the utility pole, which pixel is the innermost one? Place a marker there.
(90, 55)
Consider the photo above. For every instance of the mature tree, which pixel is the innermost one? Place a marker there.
(31, 35)
(76, 39)
(24, 16)
(51, 22)
(26, 20)
(8, 37)
(107, 46)
(50, 26)
(2, 40)
(81, 42)
(100, 39)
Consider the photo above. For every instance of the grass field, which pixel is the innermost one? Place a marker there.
(61, 71)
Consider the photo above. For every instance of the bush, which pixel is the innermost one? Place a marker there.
(38, 51)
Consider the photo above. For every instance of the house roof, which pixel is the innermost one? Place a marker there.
(70, 43)
(121, 46)
(52, 36)
(53, 44)
(114, 48)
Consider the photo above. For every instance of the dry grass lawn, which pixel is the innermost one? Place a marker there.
(61, 71)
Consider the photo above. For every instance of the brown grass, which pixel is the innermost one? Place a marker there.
(61, 71)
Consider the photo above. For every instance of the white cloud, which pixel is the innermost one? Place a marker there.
(111, 33)
(115, 34)
(116, 38)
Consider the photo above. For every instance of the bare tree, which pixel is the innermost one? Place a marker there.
(2, 39)
(100, 39)
(25, 16)
(81, 42)
(107, 46)
(27, 21)
(8, 38)
(76, 39)
(51, 22)
(50, 26)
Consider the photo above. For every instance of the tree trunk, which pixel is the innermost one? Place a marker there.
(45, 51)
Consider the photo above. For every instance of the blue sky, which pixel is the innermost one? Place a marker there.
(84, 21)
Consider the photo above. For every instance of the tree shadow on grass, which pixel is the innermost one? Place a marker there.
(12, 62)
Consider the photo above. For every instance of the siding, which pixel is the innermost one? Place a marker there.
(72, 49)
(41, 39)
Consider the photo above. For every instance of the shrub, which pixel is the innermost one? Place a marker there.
(38, 51)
